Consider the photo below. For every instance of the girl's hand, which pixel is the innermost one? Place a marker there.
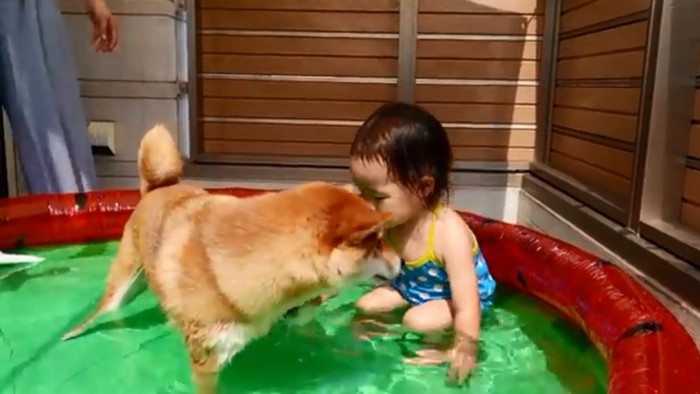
(104, 25)
(462, 358)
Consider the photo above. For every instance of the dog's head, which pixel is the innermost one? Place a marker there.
(350, 236)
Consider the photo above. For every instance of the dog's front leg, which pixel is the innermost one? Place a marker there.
(211, 347)
(205, 380)
(205, 365)
(307, 312)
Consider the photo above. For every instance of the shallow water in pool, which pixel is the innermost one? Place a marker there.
(525, 348)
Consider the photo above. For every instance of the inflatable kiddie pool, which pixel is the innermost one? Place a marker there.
(644, 348)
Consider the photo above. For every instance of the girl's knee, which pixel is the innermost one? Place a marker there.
(379, 301)
(427, 320)
(367, 303)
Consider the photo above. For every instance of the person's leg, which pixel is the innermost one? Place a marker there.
(62, 72)
(432, 317)
(40, 94)
(381, 300)
(370, 322)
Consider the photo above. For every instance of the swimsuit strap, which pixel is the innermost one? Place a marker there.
(431, 231)
(475, 243)
(430, 247)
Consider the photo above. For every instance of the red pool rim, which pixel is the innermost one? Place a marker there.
(646, 347)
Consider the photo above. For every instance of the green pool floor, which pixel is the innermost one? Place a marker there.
(526, 348)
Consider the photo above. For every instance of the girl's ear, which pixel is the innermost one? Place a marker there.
(427, 185)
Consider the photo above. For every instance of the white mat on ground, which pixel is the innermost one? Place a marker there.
(10, 258)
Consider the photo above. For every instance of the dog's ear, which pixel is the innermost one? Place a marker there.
(350, 219)
(360, 225)
(368, 225)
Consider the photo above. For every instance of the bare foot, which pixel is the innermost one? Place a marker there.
(367, 328)
(428, 357)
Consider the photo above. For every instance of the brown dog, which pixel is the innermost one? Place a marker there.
(225, 269)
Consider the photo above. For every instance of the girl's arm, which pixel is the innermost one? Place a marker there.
(457, 244)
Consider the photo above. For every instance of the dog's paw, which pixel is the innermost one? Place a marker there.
(301, 315)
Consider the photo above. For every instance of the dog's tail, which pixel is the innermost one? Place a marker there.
(159, 160)
(123, 272)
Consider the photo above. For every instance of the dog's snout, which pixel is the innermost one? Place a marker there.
(394, 267)
(382, 268)
(392, 263)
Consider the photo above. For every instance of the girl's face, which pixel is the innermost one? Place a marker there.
(372, 179)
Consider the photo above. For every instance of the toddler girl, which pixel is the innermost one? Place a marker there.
(400, 160)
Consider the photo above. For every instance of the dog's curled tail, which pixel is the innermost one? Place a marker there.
(159, 160)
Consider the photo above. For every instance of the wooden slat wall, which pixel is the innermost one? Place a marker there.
(600, 64)
(241, 114)
(690, 206)
(476, 68)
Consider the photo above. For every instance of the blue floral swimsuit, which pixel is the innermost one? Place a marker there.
(426, 279)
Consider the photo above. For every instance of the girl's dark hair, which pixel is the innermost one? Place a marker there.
(412, 143)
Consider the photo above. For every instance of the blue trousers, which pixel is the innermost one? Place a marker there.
(39, 91)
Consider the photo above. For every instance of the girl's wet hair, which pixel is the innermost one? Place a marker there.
(412, 143)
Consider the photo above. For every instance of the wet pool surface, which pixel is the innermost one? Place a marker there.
(526, 348)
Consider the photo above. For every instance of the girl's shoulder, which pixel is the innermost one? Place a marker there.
(448, 218)
(450, 227)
